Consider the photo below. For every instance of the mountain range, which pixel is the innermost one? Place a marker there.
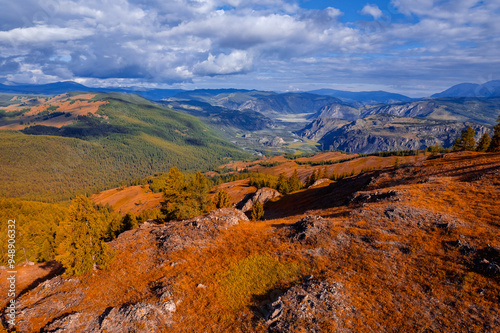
(488, 89)
(384, 132)
(253, 119)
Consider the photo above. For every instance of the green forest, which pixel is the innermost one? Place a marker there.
(129, 138)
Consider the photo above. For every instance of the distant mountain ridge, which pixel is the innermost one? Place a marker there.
(488, 89)
(364, 97)
(246, 116)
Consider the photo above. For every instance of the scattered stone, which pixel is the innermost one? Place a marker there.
(375, 196)
(487, 261)
(177, 235)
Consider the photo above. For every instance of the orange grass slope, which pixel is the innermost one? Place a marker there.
(408, 249)
(132, 199)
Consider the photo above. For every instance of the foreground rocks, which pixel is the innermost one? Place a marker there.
(140, 317)
(309, 230)
(198, 231)
(307, 306)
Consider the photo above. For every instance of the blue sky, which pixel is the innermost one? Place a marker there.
(412, 47)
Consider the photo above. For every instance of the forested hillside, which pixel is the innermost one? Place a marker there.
(127, 138)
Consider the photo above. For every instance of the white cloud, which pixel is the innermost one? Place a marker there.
(372, 10)
(156, 41)
(236, 62)
(42, 34)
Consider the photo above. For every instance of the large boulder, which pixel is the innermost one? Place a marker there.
(262, 196)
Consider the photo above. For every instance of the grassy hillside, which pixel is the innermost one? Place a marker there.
(413, 248)
(128, 137)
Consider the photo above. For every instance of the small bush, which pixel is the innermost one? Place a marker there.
(257, 211)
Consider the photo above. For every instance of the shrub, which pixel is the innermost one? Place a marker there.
(222, 199)
(257, 212)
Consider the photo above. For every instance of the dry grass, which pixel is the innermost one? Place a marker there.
(132, 199)
(399, 274)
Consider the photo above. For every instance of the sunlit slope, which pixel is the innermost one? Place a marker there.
(128, 137)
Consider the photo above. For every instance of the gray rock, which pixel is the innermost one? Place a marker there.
(319, 182)
(309, 230)
(198, 231)
(382, 132)
(263, 195)
(304, 308)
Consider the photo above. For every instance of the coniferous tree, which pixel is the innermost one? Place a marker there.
(282, 185)
(396, 163)
(495, 140)
(222, 199)
(484, 143)
(129, 222)
(257, 211)
(324, 173)
(199, 188)
(185, 198)
(312, 178)
(294, 182)
(82, 247)
(469, 143)
(466, 141)
(458, 145)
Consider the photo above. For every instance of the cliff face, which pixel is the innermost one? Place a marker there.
(340, 111)
(320, 127)
(386, 132)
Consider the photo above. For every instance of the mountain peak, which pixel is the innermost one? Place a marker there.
(488, 89)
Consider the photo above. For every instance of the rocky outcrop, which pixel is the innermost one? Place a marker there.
(320, 127)
(50, 301)
(218, 219)
(320, 182)
(140, 317)
(262, 196)
(386, 132)
(309, 230)
(362, 197)
(308, 305)
(198, 231)
(338, 111)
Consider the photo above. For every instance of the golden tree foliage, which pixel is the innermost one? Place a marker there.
(81, 235)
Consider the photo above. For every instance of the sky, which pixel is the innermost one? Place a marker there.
(416, 48)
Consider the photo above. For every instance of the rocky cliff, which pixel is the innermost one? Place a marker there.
(386, 132)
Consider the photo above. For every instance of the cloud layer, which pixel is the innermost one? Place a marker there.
(406, 46)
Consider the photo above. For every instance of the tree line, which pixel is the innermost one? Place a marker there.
(467, 141)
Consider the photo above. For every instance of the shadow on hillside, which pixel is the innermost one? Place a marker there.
(53, 269)
(334, 195)
(467, 168)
